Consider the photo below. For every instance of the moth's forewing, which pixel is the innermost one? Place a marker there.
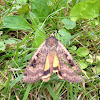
(35, 69)
(69, 74)
(56, 65)
(46, 70)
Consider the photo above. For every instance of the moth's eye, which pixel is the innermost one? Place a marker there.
(34, 63)
(71, 62)
(66, 55)
(37, 55)
(25, 74)
(60, 73)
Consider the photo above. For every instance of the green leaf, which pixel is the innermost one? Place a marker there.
(40, 8)
(10, 41)
(97, 58)
(63, 35)
(21, 1)
(68, 24)
(96, 69)
(3, 37)
(89, 60)
(64, 32)
(34, 19)
(39, 37)
(86, 9)
(24, 9)
(16, 22)
(2, 45)
(82, 52)
(73, 48)
(83, 64)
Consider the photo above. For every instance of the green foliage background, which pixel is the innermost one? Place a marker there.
(25, 24)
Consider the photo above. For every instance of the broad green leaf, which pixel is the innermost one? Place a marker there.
(65, 33)
(82, 52)
(86, 9)
(2, 45)
(21, 1)
(34, 19)
(16, 22)
(40, 8)
(97, 58)
(10, 41)
(3, 37)
(83, 64)
(39, 37)
(89, 60)
(74, 1)
(73, 48)
(96, 69)
(24, 9)
(68, 23)
(63, 36)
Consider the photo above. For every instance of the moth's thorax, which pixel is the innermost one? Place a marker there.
(51, 42)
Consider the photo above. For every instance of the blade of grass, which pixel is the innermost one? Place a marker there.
(67, 84)
(16, 80)
(76, 90)
(27, 91)
(6, 85)
(38, 91)
(71, 91)
(58, 92)
(50, 90)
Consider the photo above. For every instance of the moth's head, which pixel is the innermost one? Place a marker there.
(51, 43)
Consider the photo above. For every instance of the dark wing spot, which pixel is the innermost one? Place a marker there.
(70, 62)
(37, 55)
(66, 56)
(33, 64)
(46, 72)
(55, 68)
(25, 74)
(60, 73)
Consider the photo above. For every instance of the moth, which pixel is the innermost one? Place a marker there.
(50, 57)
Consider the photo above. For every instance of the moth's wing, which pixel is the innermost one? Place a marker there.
(46, 75)
(56, 65)
(68, 67)
(35, 69)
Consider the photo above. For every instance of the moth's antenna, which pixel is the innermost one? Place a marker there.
(52, 34)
